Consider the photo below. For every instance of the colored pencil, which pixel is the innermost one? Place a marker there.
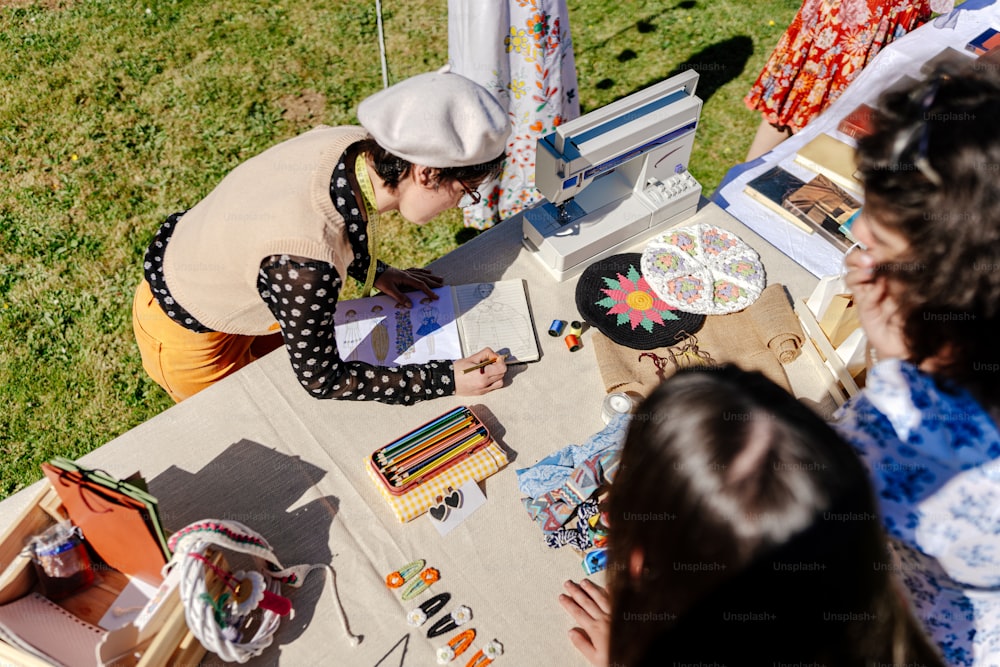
(425, 430)
(483, 364)
(434, 448)
(442, 458)
(411, 465)
(443, 432)
(438, 463)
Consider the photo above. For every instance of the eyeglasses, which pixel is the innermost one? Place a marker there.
(471, 196)
(905, 139)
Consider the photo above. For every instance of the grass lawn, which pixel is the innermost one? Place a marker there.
(113, 115)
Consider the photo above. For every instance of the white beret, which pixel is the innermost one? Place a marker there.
(438, 119)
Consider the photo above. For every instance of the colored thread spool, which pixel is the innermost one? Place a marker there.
(617, 403)
(573, 342)
(576, 328)
(556, 328)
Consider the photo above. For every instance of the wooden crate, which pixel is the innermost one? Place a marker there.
(173, 644)
(840, 384)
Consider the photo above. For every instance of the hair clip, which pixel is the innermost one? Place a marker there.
(419, 616)
(458, 617)
(444, 504)
(486, 654)
(404, 574)
(456, 646)
(418, 586)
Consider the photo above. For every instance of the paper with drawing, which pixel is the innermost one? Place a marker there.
(463, 320)
(375, 330)
(496, 315)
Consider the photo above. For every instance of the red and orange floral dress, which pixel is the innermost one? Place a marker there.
(823, 50)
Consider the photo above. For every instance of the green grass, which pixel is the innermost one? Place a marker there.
(113, 116)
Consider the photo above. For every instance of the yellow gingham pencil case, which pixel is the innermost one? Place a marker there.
(413, 500)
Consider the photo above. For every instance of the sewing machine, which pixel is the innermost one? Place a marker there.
(614, 177)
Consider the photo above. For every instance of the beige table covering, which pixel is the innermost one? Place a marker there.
(256, 448)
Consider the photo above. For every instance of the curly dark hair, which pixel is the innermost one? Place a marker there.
(931, 172)
(392, 168)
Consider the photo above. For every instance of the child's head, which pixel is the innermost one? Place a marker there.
(440, 120)
(732, 498)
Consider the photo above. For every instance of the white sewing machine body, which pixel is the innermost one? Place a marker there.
(614, 177)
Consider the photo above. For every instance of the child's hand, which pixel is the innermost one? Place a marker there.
(482, 380)
(590, 607)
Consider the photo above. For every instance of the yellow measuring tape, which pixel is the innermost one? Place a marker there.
(368, 195)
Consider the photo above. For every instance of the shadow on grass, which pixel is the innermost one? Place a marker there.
(716, 65)
(644, 25)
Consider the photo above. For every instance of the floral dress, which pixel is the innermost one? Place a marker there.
(528, 64)
(934, 457)
(823, 50)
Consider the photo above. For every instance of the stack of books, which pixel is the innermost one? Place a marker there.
(818, 206)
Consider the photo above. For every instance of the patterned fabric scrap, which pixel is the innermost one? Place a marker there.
(555, 469)
(574, 497)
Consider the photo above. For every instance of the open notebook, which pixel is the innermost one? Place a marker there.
(462, 321)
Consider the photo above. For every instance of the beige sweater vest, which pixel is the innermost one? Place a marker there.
(275, 203)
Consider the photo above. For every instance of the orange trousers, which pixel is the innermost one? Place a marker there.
(184, 362)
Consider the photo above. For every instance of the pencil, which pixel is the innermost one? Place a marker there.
(410, 466)
(424, 432)
(483, 364)
(407, 476)
(418, 451)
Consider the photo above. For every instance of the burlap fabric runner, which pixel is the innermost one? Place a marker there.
(761, 337)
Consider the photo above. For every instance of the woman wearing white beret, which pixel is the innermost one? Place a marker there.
(262, 259)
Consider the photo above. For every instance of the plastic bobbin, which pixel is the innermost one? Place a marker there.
(576, 328)
(556, 328)
(573, 342)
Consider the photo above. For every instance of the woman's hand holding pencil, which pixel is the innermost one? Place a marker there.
(492, 371)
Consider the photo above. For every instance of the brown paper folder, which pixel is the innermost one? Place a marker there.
(116, 525)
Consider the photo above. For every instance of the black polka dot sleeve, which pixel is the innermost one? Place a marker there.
(303, 294)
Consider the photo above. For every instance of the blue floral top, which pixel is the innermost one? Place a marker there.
(934, 456)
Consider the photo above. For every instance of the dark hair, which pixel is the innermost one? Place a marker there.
(392, 168)
(948, 284)
(758, 534)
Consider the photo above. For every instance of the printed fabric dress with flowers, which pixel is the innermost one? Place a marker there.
(934, 457)
(823, 50)
(521, 51)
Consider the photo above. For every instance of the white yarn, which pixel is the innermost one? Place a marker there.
(194, 540)
(200, 616)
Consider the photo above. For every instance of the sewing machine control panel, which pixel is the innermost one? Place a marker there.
(675, 187)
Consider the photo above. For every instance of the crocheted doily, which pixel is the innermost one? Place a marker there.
(703, 269)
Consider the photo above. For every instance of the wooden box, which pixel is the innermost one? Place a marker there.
(172, 643)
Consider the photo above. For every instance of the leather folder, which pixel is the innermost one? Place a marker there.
(118, 520)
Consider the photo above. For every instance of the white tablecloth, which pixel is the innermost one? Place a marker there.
(257, 449)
